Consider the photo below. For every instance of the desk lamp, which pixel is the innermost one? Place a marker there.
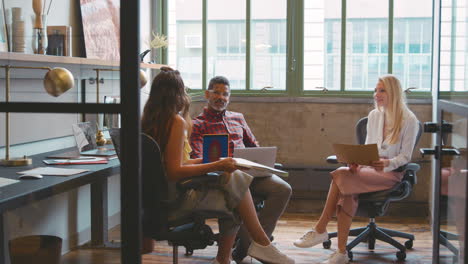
(56, 82)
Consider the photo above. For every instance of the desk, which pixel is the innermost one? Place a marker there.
(27, 191)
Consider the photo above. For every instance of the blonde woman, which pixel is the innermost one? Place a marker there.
(393, 127)
(165, 118)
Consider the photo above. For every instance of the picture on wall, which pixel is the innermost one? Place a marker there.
(3, 31)
(101, 28)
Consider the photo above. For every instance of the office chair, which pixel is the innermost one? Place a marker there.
(191, 231)
(444, 236)
(376, 203)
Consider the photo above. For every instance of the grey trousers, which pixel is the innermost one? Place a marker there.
(277, 193)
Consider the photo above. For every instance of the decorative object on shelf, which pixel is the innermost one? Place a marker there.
(100, 140)
(17, 26)
(59, 40)
(3, 28)
(40, 29)
(101, 29)
(158, 41)
(56, 82)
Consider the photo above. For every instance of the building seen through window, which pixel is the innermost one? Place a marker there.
(367, 43)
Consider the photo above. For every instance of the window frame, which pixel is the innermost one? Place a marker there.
(294, 53)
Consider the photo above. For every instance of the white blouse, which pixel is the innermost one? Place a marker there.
(399, 153)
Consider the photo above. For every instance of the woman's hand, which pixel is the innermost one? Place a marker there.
(227, 165)
(380, 164)
(353, 167)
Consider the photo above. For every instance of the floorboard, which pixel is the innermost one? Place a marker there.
(290, 227)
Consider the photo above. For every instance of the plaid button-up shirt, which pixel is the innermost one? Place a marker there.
(225, 122)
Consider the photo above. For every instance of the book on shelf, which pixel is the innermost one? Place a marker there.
(60, 40)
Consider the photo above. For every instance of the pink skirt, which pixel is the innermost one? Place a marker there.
(364, 180)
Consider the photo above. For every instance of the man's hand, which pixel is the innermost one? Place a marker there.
(380, 164)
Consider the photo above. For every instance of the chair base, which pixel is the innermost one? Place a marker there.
(371, 233)
(444, 238)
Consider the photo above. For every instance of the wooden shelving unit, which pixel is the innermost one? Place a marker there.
(21, 57)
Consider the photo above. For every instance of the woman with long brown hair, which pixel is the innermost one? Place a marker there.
(166, 119)
(393, 127)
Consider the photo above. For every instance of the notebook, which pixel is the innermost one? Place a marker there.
(262, 155)
(215, 147)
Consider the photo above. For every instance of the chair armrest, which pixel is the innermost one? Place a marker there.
(409, 172)
(279, 166)
(198, 181)
(332, 159)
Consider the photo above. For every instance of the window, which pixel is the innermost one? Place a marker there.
(343, 50)
(453, 46)
(185, 48)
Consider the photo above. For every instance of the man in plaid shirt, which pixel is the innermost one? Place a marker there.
(216, 120)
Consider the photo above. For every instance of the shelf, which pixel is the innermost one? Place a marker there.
(21, 57)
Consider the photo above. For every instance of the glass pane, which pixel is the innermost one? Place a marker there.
(366, 43)
(268, 44)
(322, 44)
(454, 50)
(453, 192)
(412, 37)
(185, 36)
(226, 41)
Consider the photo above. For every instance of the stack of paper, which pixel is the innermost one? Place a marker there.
(52, 171)
(256, 166)
(78, 161)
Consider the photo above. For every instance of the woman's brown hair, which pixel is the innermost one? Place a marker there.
(167, 98)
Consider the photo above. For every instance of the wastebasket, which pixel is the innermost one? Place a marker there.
(38, 249)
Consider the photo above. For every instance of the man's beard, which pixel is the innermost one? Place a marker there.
(217, 107)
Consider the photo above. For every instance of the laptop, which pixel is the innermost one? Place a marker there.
(263, 155)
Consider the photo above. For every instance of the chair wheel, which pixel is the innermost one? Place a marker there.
(401, 255)
(188, 252)
(409, 244)
(327, 244)
(350, 255)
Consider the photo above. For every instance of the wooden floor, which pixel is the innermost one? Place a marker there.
(291, 227)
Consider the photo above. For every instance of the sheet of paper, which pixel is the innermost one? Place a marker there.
(359, 154)
(53, 171)
(6, 181)
(256, 166)
(80, 137)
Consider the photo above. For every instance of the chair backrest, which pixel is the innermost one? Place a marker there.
(361, 131)
(115, 136)
(154, 191)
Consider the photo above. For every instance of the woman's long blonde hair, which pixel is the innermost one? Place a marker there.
(167, 98)
(396, 108)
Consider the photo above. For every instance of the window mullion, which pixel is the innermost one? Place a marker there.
(390, 35)
(295, 50)
(343, 46)
(248, 17)
(205, 42)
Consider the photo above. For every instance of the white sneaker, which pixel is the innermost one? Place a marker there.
(310, 239)
(215, 261)
(338, 258)
(268, 254)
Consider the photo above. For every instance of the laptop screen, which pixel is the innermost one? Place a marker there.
(263, 155)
